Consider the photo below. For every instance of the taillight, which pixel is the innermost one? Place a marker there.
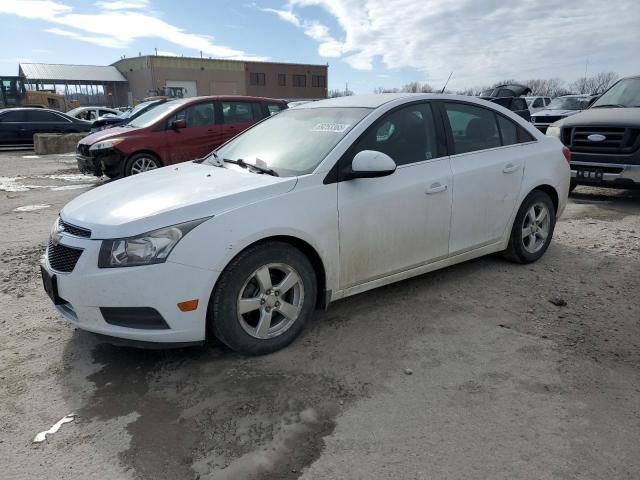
(567, 154)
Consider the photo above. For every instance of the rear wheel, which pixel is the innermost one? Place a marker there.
(263, 299)
(532, 229)
(141, 162)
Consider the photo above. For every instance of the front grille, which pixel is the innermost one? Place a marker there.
(83, 149)
(548, 119)
(73, 230)
(618, 139)
(63, 258)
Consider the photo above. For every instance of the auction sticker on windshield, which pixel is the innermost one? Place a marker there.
(330, 127)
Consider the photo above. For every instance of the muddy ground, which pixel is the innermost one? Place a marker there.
(504, 384)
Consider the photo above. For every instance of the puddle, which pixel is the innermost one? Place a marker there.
(219, 415)
(31, 208)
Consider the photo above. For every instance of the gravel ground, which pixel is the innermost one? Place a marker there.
(476, 371)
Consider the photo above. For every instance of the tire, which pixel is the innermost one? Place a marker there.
(529, 248)
(245, 280)
(141, 162)
(572, 185)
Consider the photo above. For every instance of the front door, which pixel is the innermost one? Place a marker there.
(197, 139)
(488, 166)
(401, 221)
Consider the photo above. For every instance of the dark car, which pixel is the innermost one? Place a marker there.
(18, 125)
(605, 138)
(112, 121)
(176, 131)
(510, 97)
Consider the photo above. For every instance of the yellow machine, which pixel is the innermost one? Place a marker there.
(48, 99)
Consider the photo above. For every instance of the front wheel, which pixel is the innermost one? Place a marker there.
(532, 229)
(263, 299)
(141, 162)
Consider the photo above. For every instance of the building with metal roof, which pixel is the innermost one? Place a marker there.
(48, 73)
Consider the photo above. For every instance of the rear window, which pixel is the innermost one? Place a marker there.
(274, 108)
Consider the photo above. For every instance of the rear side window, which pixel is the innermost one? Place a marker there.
(237, 112)
(43, 116)
(13, 116)
(274, 108)
(473, 128)
(509, 131)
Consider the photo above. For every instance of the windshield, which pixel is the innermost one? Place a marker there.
(152, 115)
(135, 110)
(295, 141)
(625, 93)
(569, 103)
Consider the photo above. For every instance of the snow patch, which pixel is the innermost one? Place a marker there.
(31, 208)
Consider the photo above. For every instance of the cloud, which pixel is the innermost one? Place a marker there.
(328, 46)
(123, 5)
(117, 24)
(479, 41)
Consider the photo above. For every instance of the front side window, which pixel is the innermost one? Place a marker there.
(257, 79)
(299, 80)
(407, 135)
(473, 128)
(199, 115)
(295, 141)
(237, 112)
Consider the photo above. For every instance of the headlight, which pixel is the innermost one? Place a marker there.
(553, 132)
(146, 249)
(105, 144)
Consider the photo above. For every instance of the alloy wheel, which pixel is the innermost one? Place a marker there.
(143, 164)
(535, 227)
(270, 301)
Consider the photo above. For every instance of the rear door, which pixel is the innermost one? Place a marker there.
(236, 117)
(200, 136)
(487, 162)
(13, 127)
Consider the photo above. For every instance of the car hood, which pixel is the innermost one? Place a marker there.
(106, 134)
(555, 113)
(168, 196)
(609, 117)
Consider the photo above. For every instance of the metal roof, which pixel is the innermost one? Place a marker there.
(84, 73)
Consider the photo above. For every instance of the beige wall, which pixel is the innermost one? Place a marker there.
(272, 89)
(218, 77)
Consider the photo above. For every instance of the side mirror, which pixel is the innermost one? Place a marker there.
(178, 124)
(371, 164)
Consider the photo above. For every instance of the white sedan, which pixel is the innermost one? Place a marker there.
(318, 203)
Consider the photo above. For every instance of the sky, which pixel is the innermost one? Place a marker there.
(366, 43)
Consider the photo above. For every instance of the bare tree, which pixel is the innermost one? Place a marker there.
(417, 87)
(546, 87)
(385, 90)
(340, 93)
(594, 85)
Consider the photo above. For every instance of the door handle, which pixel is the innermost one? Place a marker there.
(436, 187)
(510, 168)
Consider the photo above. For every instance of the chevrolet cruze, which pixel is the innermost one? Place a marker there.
(315, 204)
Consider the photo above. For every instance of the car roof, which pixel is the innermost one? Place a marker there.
(30, 109)
(239, 98)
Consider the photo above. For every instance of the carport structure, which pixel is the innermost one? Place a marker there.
(88, 84)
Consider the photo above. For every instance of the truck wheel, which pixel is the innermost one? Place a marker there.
(141, 162)
(532, 229)
(263, 299)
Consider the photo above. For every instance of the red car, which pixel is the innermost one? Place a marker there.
(176, 131)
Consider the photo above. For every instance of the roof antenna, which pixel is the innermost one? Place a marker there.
(447, 82)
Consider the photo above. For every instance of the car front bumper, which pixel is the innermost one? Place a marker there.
(613, 175)
(87, 292)
(108, 162)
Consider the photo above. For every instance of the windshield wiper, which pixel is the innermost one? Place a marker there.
(609, 105)
(241, 163)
